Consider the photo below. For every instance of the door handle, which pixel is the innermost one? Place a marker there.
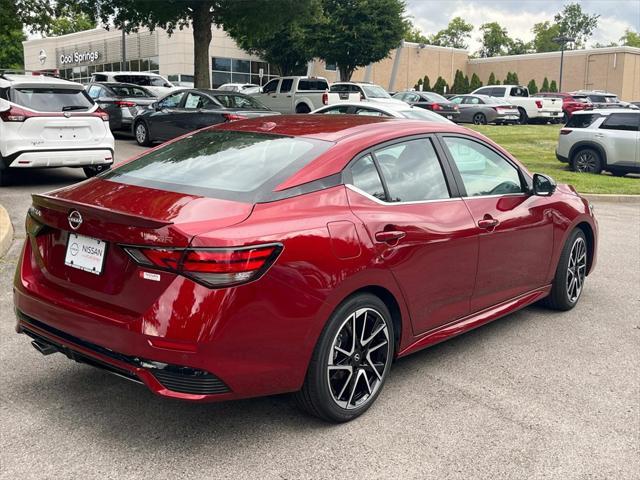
(391, 237)
(598, 135)
(488, 223)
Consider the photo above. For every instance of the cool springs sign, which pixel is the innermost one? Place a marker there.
(79, 57)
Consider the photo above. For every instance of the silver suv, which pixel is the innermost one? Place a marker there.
(597, 140)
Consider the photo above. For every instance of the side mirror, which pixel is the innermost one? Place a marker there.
(543, 185)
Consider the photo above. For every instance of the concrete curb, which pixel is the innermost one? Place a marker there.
(6, 231)
(606, 197)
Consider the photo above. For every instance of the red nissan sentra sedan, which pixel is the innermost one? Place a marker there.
(295, 254)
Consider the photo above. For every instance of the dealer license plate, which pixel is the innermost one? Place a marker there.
(85, 253)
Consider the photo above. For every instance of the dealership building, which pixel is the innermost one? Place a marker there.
(76, 56)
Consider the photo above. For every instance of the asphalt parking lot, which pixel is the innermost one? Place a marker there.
(537, 394)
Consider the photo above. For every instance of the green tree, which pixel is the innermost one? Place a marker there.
(458, 83)
(70, 19)
(577, 24)
(533, 88)
(545, 85)
(630, 39)
(492, 79)
(544, 33)
(455, 35)
(11, 36)
(426, 84)
(259, 16)
(440, 86)
(515, 79)
(553, 87)
(497, 82)
(467, 84)
(475, 82)
(413, 33)
(355, 33)
(518, 47)
(494, 39)
(418, 86)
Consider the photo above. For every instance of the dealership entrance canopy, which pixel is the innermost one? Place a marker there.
(78, 55)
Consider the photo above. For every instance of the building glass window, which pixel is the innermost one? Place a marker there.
(330, 66)
(235, 70)
(82, 74)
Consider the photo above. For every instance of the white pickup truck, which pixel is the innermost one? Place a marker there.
(299, 94)
(534, 109)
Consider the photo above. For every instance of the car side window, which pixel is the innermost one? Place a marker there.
(458, 100)
(271, 86)
(366, 178)
(195, 101)
(483, 171)
(498, 92)
(172, 101)
(484, 91)
(472, 101)
(622, 121)
(412, 171)
(369, 112)
(286, 85)
(411, 97)
(94, 91)
(337, 110)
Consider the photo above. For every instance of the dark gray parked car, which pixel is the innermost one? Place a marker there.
(122, 101)
(184, 111)
(483, 109)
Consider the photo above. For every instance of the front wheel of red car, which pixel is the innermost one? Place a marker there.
(350, 362)
(571, 272)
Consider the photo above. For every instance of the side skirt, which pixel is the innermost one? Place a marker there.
(474, 320)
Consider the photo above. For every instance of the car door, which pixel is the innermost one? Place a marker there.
(515, 228)
(618, 134)
(198, 111)
(464, 107)
(283, 97)
(163, 122)
(420, 227)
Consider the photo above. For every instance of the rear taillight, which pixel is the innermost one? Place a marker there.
(212, 267)
(436, 106)
(14, 114)
(325, 98)
(125, 104)
(102, 114)
(565, 131)
(232, 117)
(539, 103)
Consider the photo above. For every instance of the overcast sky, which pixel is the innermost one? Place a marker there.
(518, 16)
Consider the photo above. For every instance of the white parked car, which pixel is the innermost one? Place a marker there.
(604, 139)
(50, 122)
(365, 91)
(540, 109)
(246, 88)
(375, 109)
(157, 84)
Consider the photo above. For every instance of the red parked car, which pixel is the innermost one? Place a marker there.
(295, 254)
(571, 102)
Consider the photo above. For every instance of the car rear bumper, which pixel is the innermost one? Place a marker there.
(550, 113)
(507, 117)
(60, 158)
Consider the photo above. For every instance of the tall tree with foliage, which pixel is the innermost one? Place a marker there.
(458, 83)
(545, 85)
(70, 19)
(492, 79)
(475, 82)
(11, 36)
(440, 86)
(532, 87)
(355, 33)
(630, 39)
(418, 86)
(518, 47)
(544, 33)
(575, 23)
(494, 39)
(413, 33)
(455, 35)
(260, 16)
(426, 84)
(467, 84)
(553, 86)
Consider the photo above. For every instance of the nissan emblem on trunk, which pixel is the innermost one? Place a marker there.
(75, 219)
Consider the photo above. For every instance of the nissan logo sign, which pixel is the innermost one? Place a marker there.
(75, 219)
(42, 56)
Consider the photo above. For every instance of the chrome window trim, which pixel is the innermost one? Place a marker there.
(382, 202)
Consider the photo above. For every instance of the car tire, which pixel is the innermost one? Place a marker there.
(94, 170)
(4, 174)
(565, 117)
(303, 108)
(524, 118)
(568, 282)
(479, 119)
(141, 132)
(586, 160)
(330, 390)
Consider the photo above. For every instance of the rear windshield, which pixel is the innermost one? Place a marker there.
(434, 97)
(313, 84)
(582, 120)
(129, 91)
(421, 114)
(374, 91)
(51, 99)
(239, 166)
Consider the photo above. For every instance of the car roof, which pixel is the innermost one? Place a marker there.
(38, 80)
(384, 107)
(149, 74)
(350, 133)
(607, 111)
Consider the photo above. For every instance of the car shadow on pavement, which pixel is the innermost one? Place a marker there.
(46, 177)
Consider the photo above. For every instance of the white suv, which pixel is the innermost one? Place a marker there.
(596, 140)
(153, 82)
(50, 122)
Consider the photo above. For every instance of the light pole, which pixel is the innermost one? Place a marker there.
(562, 40)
